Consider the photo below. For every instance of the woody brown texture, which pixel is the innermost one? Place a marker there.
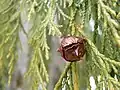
(72, 48)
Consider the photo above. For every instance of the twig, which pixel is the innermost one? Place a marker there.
(75, 76)
(62, 76)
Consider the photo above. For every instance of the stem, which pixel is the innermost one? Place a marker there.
(59, 83)
(75, 76)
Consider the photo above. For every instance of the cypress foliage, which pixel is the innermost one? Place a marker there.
(59, 18)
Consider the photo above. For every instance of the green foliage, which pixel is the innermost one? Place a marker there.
(65, 80)
(71, 17)
(9, 27)
(102, 59)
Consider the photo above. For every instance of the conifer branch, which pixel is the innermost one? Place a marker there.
(43, 16)
(59, 83)
(112, 23)
(103, 63)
